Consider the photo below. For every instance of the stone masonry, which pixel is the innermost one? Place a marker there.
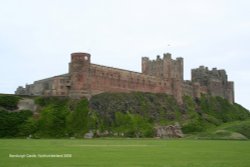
(163, 75)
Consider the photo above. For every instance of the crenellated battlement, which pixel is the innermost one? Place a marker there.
(203, 75)
(216, 82)
(165, 67)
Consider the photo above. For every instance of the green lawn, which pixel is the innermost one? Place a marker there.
(125, 153)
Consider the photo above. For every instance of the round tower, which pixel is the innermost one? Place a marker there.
(79, 62)
(79, 68)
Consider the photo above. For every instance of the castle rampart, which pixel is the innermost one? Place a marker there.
(163, 75)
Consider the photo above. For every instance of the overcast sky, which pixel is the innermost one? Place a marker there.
(37, 36)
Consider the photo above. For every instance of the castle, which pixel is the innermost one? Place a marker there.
(163, 75)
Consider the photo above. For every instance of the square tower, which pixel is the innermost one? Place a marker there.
(165, 68)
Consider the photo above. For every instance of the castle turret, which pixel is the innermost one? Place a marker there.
(79, 62)
(166, 56)
(230, 91)
(144, 65)
(179, 68)
(79, 75)
(196, 90)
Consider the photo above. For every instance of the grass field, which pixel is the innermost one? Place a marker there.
(124, 153)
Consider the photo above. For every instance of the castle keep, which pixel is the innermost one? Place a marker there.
(163, 75)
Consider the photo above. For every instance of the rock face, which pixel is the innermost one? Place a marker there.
(89, 135)
(170, 131)
(102, 134)
(27, 104)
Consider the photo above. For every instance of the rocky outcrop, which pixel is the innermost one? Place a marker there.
(89, 135)
(170, 131)
(27, 104)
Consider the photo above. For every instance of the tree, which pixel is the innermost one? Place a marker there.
(52, 122)
(78, 119)
(12, 121)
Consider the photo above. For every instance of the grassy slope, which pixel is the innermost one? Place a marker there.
(230, 130)
(130, 152)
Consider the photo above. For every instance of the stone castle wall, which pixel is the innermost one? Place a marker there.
(213, 82)
(163, 75)
(90, 79)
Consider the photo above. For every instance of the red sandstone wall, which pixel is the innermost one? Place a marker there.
(105, 79)
(88, 79)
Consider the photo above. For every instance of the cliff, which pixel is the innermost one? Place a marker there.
(121, 114)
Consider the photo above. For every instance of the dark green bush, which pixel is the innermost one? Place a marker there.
(132, 125)
(45, 101)
(9, 102)
(52, 121)
(11, 122)
(78, 119)
(193, 126)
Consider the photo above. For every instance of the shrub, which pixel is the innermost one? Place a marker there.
(9, 102)
(193, 126)
(11, 122)
(243, 128)
(78, 119)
